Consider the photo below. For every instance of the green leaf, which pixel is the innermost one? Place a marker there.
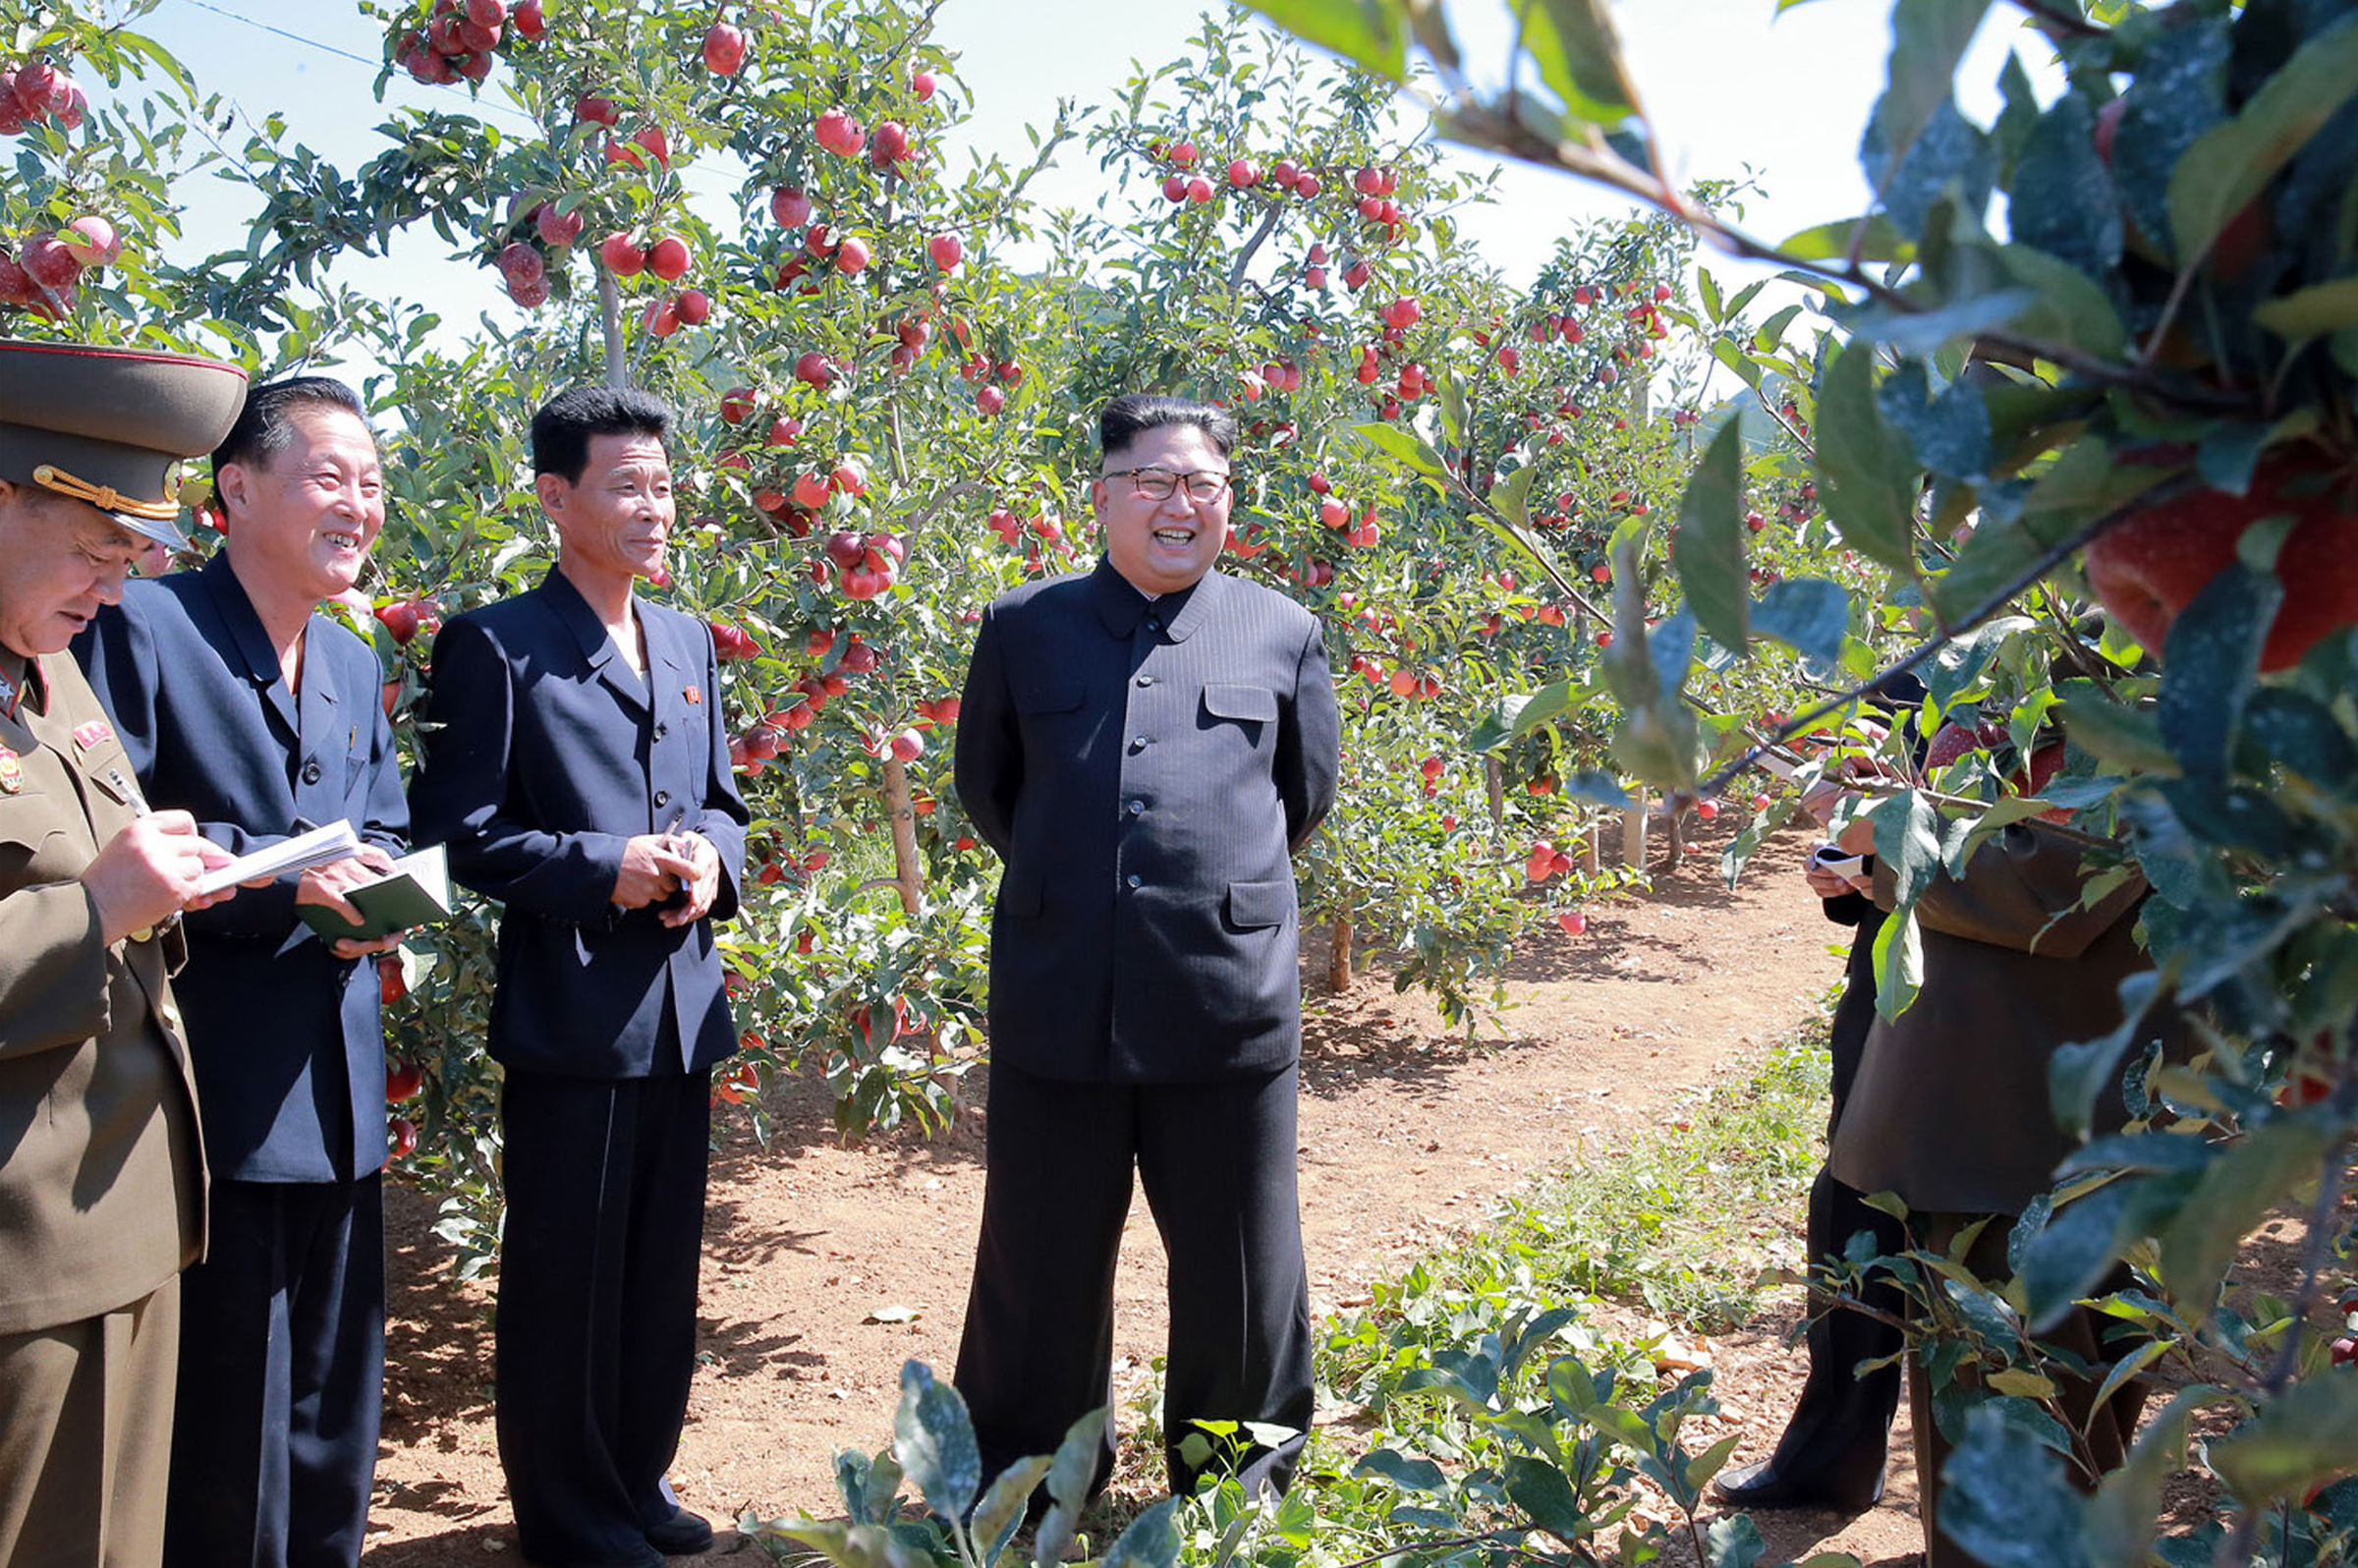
(1827, 241)
(2213, 659)
(2071, 309)
(2072, 1252)
(1409, 1474)
(1733, 1540)
(1000, 1513)
(1708, 547)
(2310, 312)
(2232, 163)
(1074, 1468)
(1150, 1542)
(2125, 1513)
(2004, 1497)
(1578, 56)
(2235, 1192)
(934, 1441)
(854, 1546)
(1406, 447)
(1869, 477)
(1546, 1498)
(1512, 498)
(1898, 964)
(2062, 201)
(1368, 32)
(1928, 38)
(1925, 331)
(2122, 736)
(1907, 839)
(2307, 1435)
(1808, 615)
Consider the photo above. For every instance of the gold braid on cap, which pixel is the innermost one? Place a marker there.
(106, 498)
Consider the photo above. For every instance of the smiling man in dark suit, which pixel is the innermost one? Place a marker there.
(577, 766)
(1145, 746)
(241, 704)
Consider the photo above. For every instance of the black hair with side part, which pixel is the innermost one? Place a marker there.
(263, 429)
(566, 426)
(1133, 414)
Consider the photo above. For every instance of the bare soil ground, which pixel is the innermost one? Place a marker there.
(826, 1267)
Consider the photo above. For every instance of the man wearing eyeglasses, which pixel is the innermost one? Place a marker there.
(1146, 746)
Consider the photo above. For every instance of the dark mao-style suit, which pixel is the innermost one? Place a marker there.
(544, 751)
(1144, 768)
(282, 1328)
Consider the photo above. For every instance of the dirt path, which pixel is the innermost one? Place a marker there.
(826, 1267)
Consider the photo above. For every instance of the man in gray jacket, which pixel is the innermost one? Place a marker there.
(1145, 746)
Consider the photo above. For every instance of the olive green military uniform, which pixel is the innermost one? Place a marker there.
(101, 1182)
(101, 1168)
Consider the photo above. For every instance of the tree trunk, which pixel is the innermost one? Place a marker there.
(1674, 845)
(609, 317)
(1633, 831)
(1493, 784)
(1338, 957)
(908, 872)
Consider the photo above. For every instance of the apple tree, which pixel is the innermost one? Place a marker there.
(2098, 456)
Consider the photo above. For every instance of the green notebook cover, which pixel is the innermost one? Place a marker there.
(415, 892)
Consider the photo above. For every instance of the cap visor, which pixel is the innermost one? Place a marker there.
(164, 532)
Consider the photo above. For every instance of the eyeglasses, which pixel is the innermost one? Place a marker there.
(1159, 484)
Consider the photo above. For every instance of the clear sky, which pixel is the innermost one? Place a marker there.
(1729, 85)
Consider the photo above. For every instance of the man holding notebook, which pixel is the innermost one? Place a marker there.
(240, 705)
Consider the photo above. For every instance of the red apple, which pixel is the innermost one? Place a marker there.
(737, 405)
(2150, 567)
(838, 133)
(947, 250)
(695, 307)
(622, 257)
(669, 258)
(402, 1080)
(814, 369)
(391, 985)
(908, 746)
(402, 1133)
(1573, 922)
(48, 262)
(724, 49)
(889, 144)
(851, 256)
(991, 400)
(555, 227)
(922, 83)
(597, 110)
(529, 20)
(91, 241)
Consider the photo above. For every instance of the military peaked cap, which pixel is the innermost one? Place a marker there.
(110, 425)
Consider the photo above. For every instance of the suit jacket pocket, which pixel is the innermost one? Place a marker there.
(1050, 695)
(1258, 904)
(1254, 704)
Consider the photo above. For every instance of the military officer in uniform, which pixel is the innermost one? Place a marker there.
(1146, 746)
(240, 703)
(101, 1175)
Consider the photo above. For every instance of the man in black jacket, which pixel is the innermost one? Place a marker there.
(577, 768)
(1145, 746)
(237, 701)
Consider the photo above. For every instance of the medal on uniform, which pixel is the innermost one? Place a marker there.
(12, 771)
(87, 738)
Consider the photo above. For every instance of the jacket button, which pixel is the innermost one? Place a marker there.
(1154, 623)
(663, 797)
(1135, 807)
(310, 771)
(1134, 879)
(662, 730)
(1138, 743)
(1145, 680)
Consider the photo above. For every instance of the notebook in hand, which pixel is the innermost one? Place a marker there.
(415, 892)
(334, 842)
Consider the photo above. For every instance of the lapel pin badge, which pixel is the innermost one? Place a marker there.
(694, 693)
(12, 773)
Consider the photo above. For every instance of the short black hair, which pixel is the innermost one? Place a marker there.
(569, 422)
(263, 429)
(1133, 414)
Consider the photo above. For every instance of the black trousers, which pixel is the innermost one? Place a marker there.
(1841, 1424)
(1217, 1160)
(594, 1334)
(282, 1362)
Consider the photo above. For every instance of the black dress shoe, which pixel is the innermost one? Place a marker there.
(683, 1535)
(1761, 1486)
